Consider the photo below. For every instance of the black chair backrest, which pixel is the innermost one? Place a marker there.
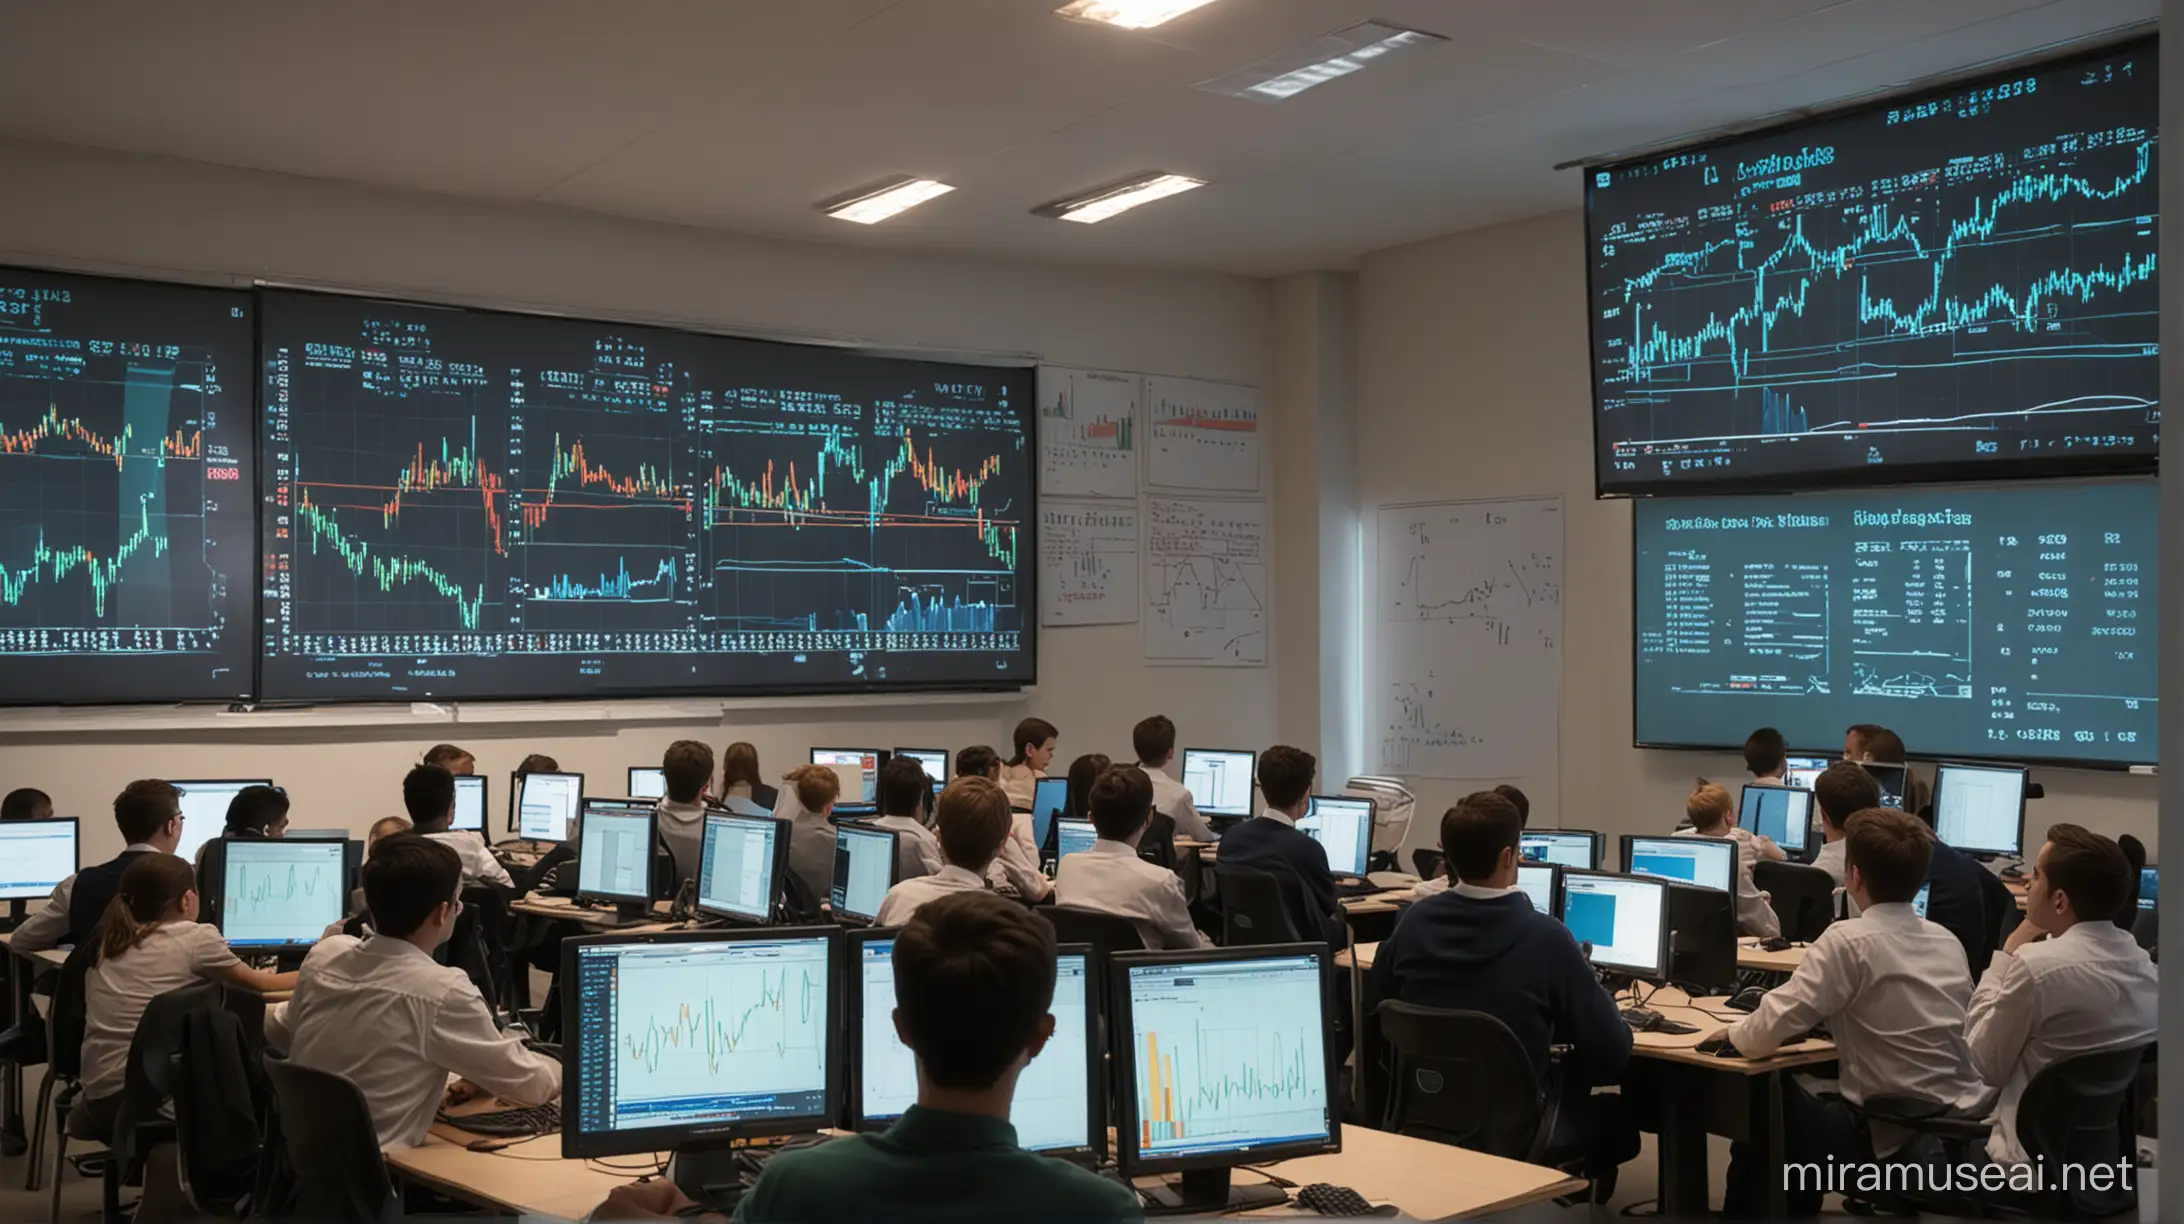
(1107, 933)
(2081, 1111)
(1462, 1078)
(219, 1104)
(70, 1015)
(1803, 897)
(479, 943)
(1428, 862)
(327, 1136)
(1252, 908)
(1158, 845)
(798, 902)
(147, 1079)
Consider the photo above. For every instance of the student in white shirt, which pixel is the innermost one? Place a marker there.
(1036, 742)
(807, 800)
(1714, 815)
(2068, 981)
(1016, 868)
(382, 1013)
(428, 792)
(1111, 878)
(148, 814)
(1892, 989)
(1841, 791)
(1154, 741)
(905, 792)
(687, 766)
(974, 821)
(150, 942)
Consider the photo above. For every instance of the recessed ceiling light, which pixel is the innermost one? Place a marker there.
(1118, 197)
(1337, 55)
(876, 204)
(1130, 14)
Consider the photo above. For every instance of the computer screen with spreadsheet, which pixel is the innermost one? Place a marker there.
(1709, 862)
(614, 861)
(864, 869)
(470, 803)
(1344, 828)
(1980, 809)
(35, 855)
(739, 861)
(1220, 781)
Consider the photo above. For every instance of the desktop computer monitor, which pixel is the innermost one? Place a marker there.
(1918, 903)
(280, 893)
(1048, 797)
(1702, 940)
(1803, 770)
(933, 760)
(547, 805)
(1344, 828)
(1894, 780)
(864, 869)
(691, 1040)
(35, 856)
(1562, 847)
(1778, 812)
(1220, 781)
(1705, 862)
(1980, 809)
(739, 866)
(470, 804)
(863, 763)
(1073, 837)
(620, 840)
(1221, 1059)
(2149, 887)
(1057, 1105)
(204, 812)
(647, 782)
(1622, 917)
(1540, 882)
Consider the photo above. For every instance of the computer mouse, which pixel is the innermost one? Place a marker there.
(1719, 1047)
(1774, 944)
(1747, 999)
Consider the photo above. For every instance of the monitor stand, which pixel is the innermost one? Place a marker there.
(630, 913)
(1208, 1192)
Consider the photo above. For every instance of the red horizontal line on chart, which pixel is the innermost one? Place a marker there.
(1203, 422)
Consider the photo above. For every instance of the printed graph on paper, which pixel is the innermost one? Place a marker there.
(1205, 582)
(1201, 436)
(1088, 563)
(741, 1026)
(126, 512)
(1088, 432)
(1962, 279)
(1467, 638)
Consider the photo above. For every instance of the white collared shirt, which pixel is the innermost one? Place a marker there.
(1755, 915)
(479, 865)
(397, 1024)
(1021, 784)
(46, 929)
(1480, 892)
(904, 899)
(1111, 878)
(118, 989)
(1830, 859)
(1017, 866)
(917, 851)
(1174, 800)
(1892, 989)
(2088, 989)
(1279, 817)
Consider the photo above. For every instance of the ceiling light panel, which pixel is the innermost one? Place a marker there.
(1130, 14)
(1330, 58)
(1119, 197)
(874, 205)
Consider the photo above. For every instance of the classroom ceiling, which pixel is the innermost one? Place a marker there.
(742, 114)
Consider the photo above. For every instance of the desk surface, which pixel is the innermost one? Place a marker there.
(538, 905)
(1707, 1014)
(529, 1178)
(1749, 956)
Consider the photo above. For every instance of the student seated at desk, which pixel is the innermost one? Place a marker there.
(905, 790)
(807, 800)
(1892, 989)
(457, 761)
(687, 766)
(429, 794)
(1111, 878)
(974, 977)
(1482, 946)
(1840, 791)
(740, 777)
(358, 922)
(149, 814)
(2069, 981)
(1271, 840)
(381, 1012)
(1154, 742)
(26, 803)
(1036, 742)
(1714, 815)
(1016, 868)
(1767, 757)
(974, 822)
(150, 942)
(256, 813)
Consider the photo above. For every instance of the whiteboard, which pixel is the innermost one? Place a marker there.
(1205, 582)
(1467, 639)
(1201, 437)
(1088, 563)
(1088, 429)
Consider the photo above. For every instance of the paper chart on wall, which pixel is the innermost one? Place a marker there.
(1088, 563)
(1201, 437)
(1205, 582)
(1088, 433)
(1468, 639)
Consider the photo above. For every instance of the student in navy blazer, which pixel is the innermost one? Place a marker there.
(1271, 841)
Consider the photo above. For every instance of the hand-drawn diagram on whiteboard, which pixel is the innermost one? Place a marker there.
(1202, 437)
(1468, 653)
(1088, 563)
(1205, 582)
(1088, 433)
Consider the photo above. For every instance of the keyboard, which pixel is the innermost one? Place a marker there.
(509, 1123)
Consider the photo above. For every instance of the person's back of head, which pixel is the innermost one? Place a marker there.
(687, 765)
(428, 795)
(977, 761)
(383, 828)
(1083, 772)
(1708, 807)
(1476, 831)
(450, 758)
(1519, 800)
(1843, 789)
(2134, 851)
(816, 787)
(1154, 740)
(1285, 776)
(904, 788)
(974, 979)
(155, 888)
(406, 880)
(1875, 743)
(1890, 852)
(26, 803)
(258, 811)
(739, 766)
(144, 808)
(1121, 803)
(537, 762)
(973, 820)
(2091, 872)
(1766, 753)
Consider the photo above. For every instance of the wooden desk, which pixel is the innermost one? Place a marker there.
(1751, 956)
(538, 905)
(529, 1178)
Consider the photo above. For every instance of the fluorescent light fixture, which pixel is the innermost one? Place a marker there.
(1118, 198)
(876, 204)
(1337, 55)
(1130, 14)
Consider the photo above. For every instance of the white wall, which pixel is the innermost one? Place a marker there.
(1474, 383)
(92, 211)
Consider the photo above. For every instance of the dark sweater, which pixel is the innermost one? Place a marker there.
(1506, 959)
(1270, 845)
(94, 889)
(1955, 900)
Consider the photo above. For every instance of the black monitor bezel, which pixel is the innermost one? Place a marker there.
(1372, 820)
(75, 837)
(1554, 884)
(515, 802)
(783, 830)
(629, 782)
(1744, 800)
(652, 845)
(1941, 772)
(1595, 836)
(1182, 765)
(894, 867)
(212, 894)
(1631, 840)
(484, 783)
(1661, 948)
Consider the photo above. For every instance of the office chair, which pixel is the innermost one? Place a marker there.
(1158, 845)
(1252, 908)
(331, 1147)
(1107, 933)
(1462, 1078)
(65, 1024)
(1428, 862)
(479, 945)
(1803, 897)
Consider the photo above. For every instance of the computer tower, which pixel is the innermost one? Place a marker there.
(1702, 939)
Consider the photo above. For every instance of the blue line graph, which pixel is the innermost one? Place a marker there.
(618, 586)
